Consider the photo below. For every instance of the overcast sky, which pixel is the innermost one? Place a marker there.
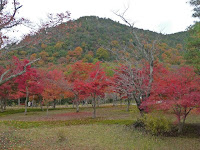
(166, 16)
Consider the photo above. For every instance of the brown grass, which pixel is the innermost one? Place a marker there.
(102, 134)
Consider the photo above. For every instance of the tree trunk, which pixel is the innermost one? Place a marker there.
(121, 102)
(138, 103)
(98, 103)
(2, 105)
(18, 101)
(128, 105)
(47, 109)
(77, 106)
(180, 127)
(181, 124)
(73, 104)
(32, 103)
(151, 67)
(27, 98)
(94, 108)
(113, 102)
(41, 105)
(54, 103)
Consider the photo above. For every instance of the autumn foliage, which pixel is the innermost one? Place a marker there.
(94, 86)
(176, 91)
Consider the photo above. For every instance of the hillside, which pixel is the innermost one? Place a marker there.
(96, 32)
(92, 33)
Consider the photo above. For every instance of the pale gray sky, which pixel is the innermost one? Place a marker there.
(166, 16)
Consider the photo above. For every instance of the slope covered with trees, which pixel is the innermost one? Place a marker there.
(89, 39)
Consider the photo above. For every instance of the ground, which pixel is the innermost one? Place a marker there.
(63, 128)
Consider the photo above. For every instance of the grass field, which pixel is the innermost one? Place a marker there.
(65, 129)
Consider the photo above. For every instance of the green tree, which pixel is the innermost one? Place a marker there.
(193, 47)
(102, 54)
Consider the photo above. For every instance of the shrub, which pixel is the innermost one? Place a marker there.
(157, 125)
(154, 124)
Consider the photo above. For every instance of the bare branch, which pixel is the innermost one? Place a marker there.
(17, 74)
(6, 72)
(11, 21)
(141, 83)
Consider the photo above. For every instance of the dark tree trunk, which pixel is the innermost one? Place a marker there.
(77, 106)
(47, 109)
(138, 103)
(26, 101)
(94, 108)
(180, 124)
(32, 103)
(54, 103)
(4, 104)
(2, 110)
(41, 104)
(180, 127)
(128, 105)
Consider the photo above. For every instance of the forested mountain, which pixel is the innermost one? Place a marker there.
(102, 31)
(90, 37)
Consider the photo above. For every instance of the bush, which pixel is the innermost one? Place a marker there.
(154, 124)
(157, 125)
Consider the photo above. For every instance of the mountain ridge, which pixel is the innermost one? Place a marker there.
(94, 32)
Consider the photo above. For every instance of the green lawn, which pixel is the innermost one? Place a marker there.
(64, 129)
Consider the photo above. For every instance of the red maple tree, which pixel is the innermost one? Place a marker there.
(79, 73)
(177, 91)
(94, 86)
(29, 83)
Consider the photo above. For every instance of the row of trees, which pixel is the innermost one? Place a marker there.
(174, 89)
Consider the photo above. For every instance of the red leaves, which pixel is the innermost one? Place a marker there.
(20, 80)
(52, 82)
(80, 71)
(176, 90)
(31, 80)
(94, 84)
(128, 80)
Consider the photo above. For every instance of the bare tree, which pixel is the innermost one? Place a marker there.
(138, 64)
